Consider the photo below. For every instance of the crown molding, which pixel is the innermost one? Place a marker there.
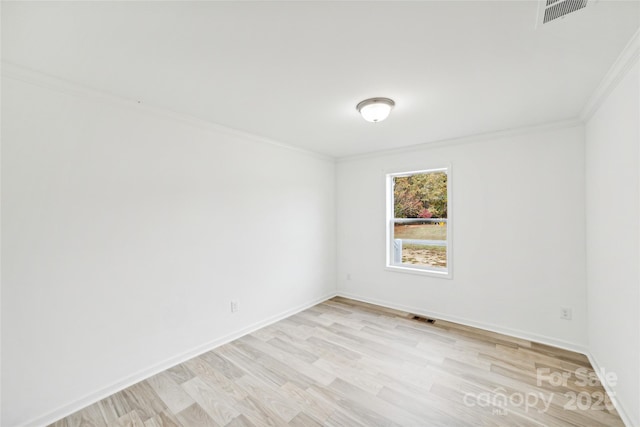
(625, 61)
(479, 137)
(46, 81)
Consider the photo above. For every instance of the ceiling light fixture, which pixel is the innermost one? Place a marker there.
(375, 109)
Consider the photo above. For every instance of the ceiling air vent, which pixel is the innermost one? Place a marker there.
(550, 10)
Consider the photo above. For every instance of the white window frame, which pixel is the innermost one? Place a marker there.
(389, 216)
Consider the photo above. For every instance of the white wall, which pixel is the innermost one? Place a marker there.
(612, 189)
(518, 235)
(126, 234)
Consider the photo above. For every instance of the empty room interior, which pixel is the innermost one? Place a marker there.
(320, 213)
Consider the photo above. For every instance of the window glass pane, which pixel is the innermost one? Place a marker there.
(420, 220)
(421, 244)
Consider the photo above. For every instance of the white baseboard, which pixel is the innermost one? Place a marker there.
(612, 395)
(578, 348)
(98, 395)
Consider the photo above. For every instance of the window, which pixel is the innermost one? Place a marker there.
(418, 222)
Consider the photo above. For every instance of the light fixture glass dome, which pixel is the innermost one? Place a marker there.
(375, 109)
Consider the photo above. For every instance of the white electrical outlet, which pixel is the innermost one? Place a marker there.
(234, 306)
(565, 313)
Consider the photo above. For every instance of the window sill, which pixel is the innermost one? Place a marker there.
(419, 271)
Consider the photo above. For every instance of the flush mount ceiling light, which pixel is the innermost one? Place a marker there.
(375, 109)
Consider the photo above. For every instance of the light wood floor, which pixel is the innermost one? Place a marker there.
(346, 363)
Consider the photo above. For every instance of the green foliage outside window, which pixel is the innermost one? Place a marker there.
(420, 196)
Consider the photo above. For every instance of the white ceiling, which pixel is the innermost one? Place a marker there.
(294, 71)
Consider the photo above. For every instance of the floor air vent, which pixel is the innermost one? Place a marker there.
(550, 10)
(423, 319)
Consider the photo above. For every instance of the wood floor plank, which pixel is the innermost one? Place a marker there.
(304, 420)
(363, 406)
(114, 407)
(249, 365)
(220, 364)
(258, 413)
(289, 348)
(170, 392)
(306, 372)
(132, 419)
(90, 416)
(302, 374)
(294, 329)
(210, 375)
(167, 419)
(194, 415)
(180, 373)
(345, 363)
(364, 379)
(240, 421)
(326, 349)
(143, 399)
(423, 407)
(218, 406)
(270, 396)
(317, 409)
(342, 419)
